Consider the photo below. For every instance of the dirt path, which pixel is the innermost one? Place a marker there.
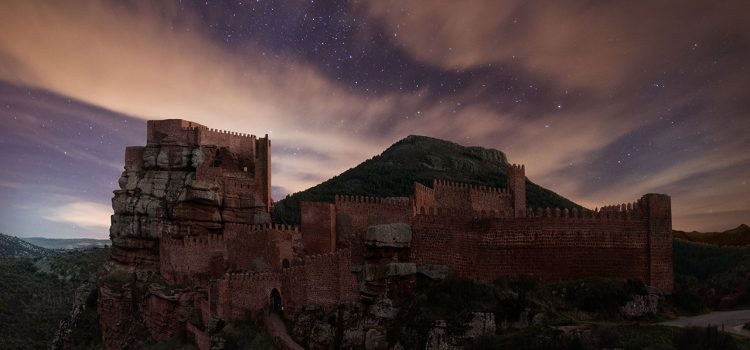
(731, 321)
(277, 329)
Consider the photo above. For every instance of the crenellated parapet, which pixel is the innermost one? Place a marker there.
(452, 194)
(462, 185)
(596, 214)
(178, 131)
(242, 228)
(212, 131)
(192, 241)
(394, 201)
(253, 277)
(458, 212)
(343, 253)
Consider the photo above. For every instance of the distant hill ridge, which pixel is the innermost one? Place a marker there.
(738, 236)
(67, 243)
(417, 159)
(11, 246)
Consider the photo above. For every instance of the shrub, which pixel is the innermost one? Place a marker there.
(708, 338)
(603, 296)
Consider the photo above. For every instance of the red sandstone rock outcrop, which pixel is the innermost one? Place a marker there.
(187, 181)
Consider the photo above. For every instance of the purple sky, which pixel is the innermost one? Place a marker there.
(603, 101)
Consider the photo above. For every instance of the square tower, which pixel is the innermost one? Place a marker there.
(517, 185)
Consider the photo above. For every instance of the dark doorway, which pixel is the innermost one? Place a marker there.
(285, 264)
(276, 305)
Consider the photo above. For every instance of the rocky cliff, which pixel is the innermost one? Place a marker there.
(162, 195)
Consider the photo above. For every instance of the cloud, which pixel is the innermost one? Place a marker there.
(558, 86)
(579, 43)
(88, 215)
(153, 61)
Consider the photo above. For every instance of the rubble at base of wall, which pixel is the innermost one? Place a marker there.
(641, 305)
(433, 271)
(439, 337)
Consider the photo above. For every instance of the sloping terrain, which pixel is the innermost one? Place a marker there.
(738, 236)
(67, 243)
(421, 159)
(36, 293)
(11, 246)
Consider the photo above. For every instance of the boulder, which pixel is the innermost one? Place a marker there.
(376, 339)
(434, 272)
(376, 272)
(481, 323)
(389, 235)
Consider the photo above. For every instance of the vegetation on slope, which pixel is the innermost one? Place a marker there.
(582, 314)
(710, 277)
(417, 159)
(630, 336)
(738, 236)
(11, 246)
(37, 292)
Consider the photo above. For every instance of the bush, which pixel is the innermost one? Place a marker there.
(686, 299)
(708, 338)
(246, 335)
(36, 293)
(603, 296)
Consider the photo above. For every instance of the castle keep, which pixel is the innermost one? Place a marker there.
(192, 227)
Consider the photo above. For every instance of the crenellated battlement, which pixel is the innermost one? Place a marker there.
(185, 241)
(625, 211)
(218, 131)
(183, 132)
(338, 254)
(517, 168)
(474, 187)
(596, 214)
(399, 201)
(237, 227)
(253, 276)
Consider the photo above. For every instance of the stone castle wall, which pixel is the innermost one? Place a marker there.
(321, 279)
(193, 204)
(550, 248)
(354, 214)
(195, 260)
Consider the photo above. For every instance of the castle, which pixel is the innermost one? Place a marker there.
(194, 204)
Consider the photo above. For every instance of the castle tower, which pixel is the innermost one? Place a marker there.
(517, 185)
(263, 169)
(660, 270)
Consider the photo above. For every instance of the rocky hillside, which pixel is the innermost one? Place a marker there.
(36, 293)
(11, 246)
(738, 236)
(421, 159)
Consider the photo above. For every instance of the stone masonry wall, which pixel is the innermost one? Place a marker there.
(195, 260)
(460, 195)
(354, 214)
(318, 222)
(551, 245)
(323, 279)
(245, 295)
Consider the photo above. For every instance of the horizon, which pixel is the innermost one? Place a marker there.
(602, 103)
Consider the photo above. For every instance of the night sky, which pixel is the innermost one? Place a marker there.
(602, 100)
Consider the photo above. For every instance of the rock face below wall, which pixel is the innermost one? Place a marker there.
(162, 194)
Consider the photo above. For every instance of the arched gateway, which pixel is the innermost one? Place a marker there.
(275, 300)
